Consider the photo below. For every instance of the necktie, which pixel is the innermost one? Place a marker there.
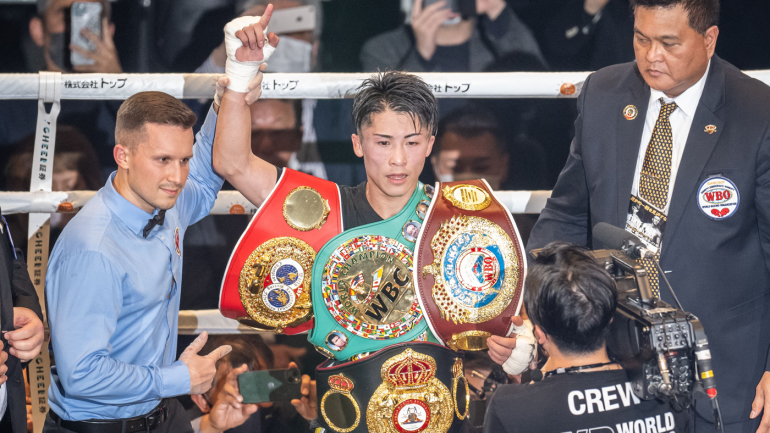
(655, 178)
(156, 220)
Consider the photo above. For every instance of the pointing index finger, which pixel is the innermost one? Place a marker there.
(266, 16)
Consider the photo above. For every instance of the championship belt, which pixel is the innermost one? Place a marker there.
(267, 283)
(405, 388)
(470, 266)
(363, 293)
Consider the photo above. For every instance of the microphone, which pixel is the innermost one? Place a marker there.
(607, 236)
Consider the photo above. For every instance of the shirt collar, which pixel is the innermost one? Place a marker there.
(689, 99)
(131, 215)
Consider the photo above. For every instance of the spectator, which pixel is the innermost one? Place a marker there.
(471, 145)
(75, 168)
(95, 119)
(209, 412)
(431, 44)
(587, 35)
(571, 300)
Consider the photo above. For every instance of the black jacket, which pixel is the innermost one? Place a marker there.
(16, 290)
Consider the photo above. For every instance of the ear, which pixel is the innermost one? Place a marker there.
(111, 29)
(121, 154)
(357, 145)
(36, 31)
(201, 403)
(539, 335)
(711, 36)
(430, 145)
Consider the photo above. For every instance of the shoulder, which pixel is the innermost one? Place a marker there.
(615, 78)
(745, 92)
(392, 39)
(88, 232)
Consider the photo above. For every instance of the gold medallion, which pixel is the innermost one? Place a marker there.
(304, 209)
(630, 112)
(469, 340)
(338, 407)
(710, 129)
(475, 268)
(275, 283)
(468, 197)
(410, 398)
(461, 399)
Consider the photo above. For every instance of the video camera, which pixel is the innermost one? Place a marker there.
(663, 348)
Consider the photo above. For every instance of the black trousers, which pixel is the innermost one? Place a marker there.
(177, 421)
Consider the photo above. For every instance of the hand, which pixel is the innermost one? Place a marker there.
(3, 367)
(253, 39)
(27, 338)
(490, 8)
(500, 348)
(105, 56)
(425, 24)
(219, 54)
(308, 404)
(202, 368)
(228, 411)
(762, 402)
(255, 88)
(592, 7)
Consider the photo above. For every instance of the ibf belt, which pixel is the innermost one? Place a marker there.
(469, 266)
(405, 388)
(267, 283)
(362, 288)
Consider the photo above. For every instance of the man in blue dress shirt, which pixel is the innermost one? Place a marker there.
(115, 274)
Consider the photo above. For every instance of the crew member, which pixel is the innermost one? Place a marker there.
(113, 280)
(570, 300)
(687, 136)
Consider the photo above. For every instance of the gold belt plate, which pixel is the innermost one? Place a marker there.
(475, 268)
(274, 284)
(304, 209)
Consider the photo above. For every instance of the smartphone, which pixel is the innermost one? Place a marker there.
(293, 20)
(464, 8)
(82, 15)
(270, 385)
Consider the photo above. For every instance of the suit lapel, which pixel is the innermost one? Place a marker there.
(698, 149)
(629, 136)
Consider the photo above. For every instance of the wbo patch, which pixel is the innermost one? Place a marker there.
(718, 197)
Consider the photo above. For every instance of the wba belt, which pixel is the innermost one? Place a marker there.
(469, 266)
(267, 283)
(405, 388)
(362, 289)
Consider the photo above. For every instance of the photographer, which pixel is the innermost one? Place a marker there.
(571, 300)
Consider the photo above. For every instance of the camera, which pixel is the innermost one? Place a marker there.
(663, 349)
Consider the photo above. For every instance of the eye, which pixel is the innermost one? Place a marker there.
(185, 160)
(163, 159)
(412, 143)
(382, 143)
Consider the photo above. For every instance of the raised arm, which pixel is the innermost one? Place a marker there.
(232, 156)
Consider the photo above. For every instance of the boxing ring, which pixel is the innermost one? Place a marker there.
(52, 87)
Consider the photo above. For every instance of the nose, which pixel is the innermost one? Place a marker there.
(398, 155)
(654, 53)
(178, 173)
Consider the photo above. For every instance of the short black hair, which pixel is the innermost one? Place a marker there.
(570, 297)
(470, 122)
(703, 14)
(396, 91)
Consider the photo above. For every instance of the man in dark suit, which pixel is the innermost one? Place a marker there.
(685, 135)
(22, 332)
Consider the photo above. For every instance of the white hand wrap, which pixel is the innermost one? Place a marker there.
(241, 73)
(524, 352)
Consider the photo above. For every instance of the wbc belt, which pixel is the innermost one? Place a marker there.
(267, 283)
(469, 266)
(404, 388)
(362, 289)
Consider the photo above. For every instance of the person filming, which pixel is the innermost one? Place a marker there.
(570, 300)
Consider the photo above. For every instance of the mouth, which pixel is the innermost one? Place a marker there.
(654, 72)
(397, 178)
(170, 192)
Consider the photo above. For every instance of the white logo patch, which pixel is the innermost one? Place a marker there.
(718, 197)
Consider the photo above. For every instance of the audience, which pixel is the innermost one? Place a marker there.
(439, 40)
(210, 413)
(95, 119)
(587, 35)
(75, 168)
